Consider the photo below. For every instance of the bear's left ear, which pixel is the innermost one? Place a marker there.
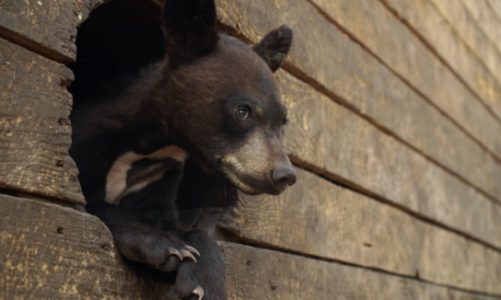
(273, 48)
(190, 27)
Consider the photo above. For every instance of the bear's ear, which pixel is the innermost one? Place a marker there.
(273, 48)
(190, 27)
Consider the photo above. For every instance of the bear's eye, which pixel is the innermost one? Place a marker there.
(243, 112)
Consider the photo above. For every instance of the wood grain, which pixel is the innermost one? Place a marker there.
(487, 20)
(456, 14)
(48, 27)
(35, 132)
(51, 252)
(335, 142)
(269, 275)
(347, 70)
(386, 36)
(62, 253)
(320, 219)
(443, 39)
(496, 8)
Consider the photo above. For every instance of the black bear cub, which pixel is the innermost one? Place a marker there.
(212, 100)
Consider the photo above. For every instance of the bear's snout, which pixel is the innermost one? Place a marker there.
(283, 176)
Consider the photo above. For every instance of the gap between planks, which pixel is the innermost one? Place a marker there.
(428, 45)
(229, 237)
(33, 46)
(493, 11)
(53, 55)
(300, 75)
(480, 27)
(355, 188)
(462, 39)
(408, 83)
(42, 198)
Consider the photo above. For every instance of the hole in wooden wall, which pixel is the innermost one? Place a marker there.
(117, 40)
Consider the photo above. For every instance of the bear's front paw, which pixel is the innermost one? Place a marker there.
(164, 251)
(187, 286)
(204, 279)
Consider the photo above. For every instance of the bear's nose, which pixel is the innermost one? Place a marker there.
(284, 175)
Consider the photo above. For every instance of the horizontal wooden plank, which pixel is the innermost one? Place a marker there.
(337, 143)
(455, 13)
(487, 20)
(335, 223)
(423, 18)
(496, 8)
(388, 38)
(51, 252)
(61, 253)
(48, 27)
(350, 72)
(35, 131)
(263, 274)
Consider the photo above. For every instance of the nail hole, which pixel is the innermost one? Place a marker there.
(65, 82)
(60, 230)
(106, 247)
(63, 121)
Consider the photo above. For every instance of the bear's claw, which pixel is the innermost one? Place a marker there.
(198, 292)
(188, 255)
(164, 251)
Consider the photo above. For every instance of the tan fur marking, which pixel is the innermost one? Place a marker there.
(116, 179)
(172, 151)
(144, 182)
(252, 159)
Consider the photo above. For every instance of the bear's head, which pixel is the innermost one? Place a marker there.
(223, 100)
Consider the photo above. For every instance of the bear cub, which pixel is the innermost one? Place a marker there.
(212, 103)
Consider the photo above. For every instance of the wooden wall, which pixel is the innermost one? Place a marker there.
(395, 126)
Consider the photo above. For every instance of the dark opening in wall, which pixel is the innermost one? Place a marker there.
(118, 39)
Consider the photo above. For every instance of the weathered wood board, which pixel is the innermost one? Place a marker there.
(447, 43)
(348, 71)
(51, 252)
(35, 131)
(62, 253)
(334, 223)
(469, 161)
(270, 275)
(496, 8)
(48, 27)
(335, 142)
(455, 13)
(487, 20)
(386, 36)
(359, 116)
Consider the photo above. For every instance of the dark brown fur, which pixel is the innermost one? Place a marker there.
(191, 99)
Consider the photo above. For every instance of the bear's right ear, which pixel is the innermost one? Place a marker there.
(275, 46)
(190, 27)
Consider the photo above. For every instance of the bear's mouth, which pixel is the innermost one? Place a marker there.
(249, 184)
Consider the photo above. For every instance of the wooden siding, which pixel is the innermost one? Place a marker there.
(395, 126)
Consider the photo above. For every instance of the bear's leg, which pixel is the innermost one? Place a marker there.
(204, 279)
(144, 243)
(162, 250)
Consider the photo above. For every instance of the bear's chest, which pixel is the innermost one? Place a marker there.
(131, 172)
